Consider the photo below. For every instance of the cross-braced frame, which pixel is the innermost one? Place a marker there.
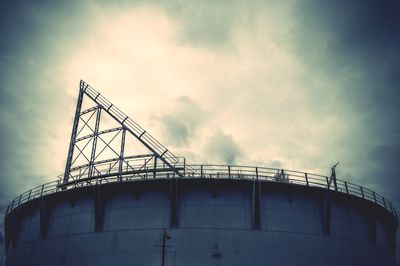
(84, 162)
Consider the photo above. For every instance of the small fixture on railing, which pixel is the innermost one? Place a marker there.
(281, 176)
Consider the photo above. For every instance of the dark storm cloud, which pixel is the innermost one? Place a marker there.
(181, 124)
(1, 243)
(177, 131)
(1, 246)
(223, 148)
(29, 95)
(357, 43)
(345, 37)
(357, 40)
(349, 49)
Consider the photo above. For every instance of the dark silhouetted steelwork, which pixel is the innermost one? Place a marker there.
(181, 197)
(144, 166)
(107, 173)
(90, 169)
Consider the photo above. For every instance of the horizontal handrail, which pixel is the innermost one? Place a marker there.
(109, 171)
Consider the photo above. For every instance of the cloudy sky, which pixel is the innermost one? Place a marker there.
(298, 85)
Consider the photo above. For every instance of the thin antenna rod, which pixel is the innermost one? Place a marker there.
(333, 175)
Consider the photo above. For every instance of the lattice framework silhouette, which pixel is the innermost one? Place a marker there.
(97, 151)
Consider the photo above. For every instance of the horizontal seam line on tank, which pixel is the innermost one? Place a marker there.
(233, 250)
(308, 211)
(143, 207)
(197, 228)
(210, 205)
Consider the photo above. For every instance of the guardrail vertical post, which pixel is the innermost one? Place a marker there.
(306, 176)
(121, 154)
(384, 202)
(41, 191)
(184, 167)
(201, 171)
(19, 200)
(373, 194)
(257, 173)
(347, 189)
(155, 166)
(362, 191)
(229, 171)
(327, 182)
(12, 205)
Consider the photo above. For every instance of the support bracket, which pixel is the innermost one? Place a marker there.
(256, 204)
(98, 208)
(326, 212)
(44, 210)
(174, 202)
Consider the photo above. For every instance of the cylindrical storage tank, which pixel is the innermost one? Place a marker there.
(199, 221)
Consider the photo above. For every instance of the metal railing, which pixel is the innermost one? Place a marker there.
(108, 173)
(128, 167)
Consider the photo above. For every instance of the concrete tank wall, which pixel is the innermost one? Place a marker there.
(209, 222)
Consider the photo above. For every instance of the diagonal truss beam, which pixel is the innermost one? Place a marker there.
(127, 125)
(144, 137)
(107, 145)
(86, 123)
